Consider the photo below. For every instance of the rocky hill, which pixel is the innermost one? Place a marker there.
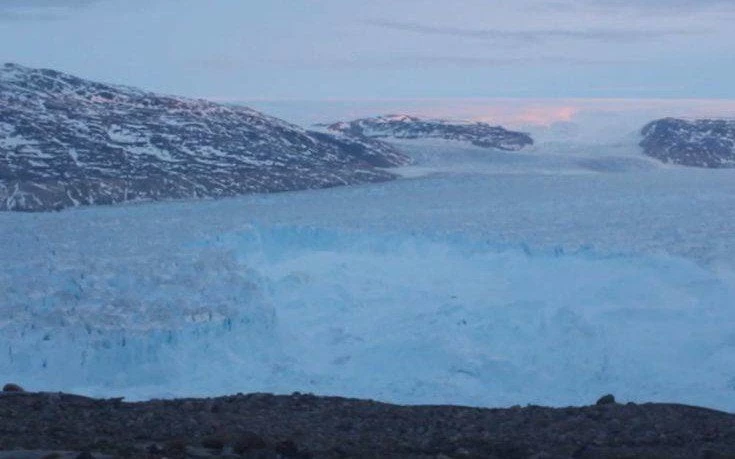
(66, 141)
(701, 143)
(410, 127)
(50, 425)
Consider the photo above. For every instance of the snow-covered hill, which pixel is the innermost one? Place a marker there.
(409, 127)
(65, 141)
(701, 143)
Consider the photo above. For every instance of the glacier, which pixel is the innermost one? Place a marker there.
(549, 277)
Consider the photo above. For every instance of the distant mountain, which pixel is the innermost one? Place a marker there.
(65, 141)
(702, 143)
(409, 127)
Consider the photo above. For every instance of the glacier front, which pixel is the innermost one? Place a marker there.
(525, 279)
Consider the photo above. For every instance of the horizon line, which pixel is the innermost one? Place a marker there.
(471, 98)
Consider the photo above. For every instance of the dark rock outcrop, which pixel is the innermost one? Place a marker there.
(608, 399)
(409, 127)
(701, 143)
(65, 141)
(10, 387)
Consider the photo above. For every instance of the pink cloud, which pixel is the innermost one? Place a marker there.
(514, 113)
(518, 112)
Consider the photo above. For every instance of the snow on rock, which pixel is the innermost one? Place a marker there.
(104, 144)
(701, 143)
(410, 127)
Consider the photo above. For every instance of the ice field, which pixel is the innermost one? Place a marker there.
(492, 279)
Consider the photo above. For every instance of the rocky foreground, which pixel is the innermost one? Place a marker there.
(55, 425)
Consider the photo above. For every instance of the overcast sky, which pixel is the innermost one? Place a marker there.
(383, 49)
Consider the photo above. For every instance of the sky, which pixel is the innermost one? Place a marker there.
(385, 50)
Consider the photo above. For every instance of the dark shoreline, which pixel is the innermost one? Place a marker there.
(302, 425)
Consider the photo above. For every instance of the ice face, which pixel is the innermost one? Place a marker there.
(521, 279)
(120, 323)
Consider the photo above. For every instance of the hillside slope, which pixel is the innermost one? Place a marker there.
(65, 141)
(708, 143)
(410, 127)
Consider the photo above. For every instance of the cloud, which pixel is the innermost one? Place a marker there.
(39, 10)
(11, 15)
(662, 5)
(637, 7)
(535, 36)
(393, 61)
(220, 63)
(413, 60)
(33, 4)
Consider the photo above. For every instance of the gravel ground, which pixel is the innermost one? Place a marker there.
(56, 425)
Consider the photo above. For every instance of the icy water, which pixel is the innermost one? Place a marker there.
(548, 277)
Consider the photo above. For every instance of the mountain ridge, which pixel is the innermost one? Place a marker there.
(66, 142)
(707, 143)
(400, 126)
